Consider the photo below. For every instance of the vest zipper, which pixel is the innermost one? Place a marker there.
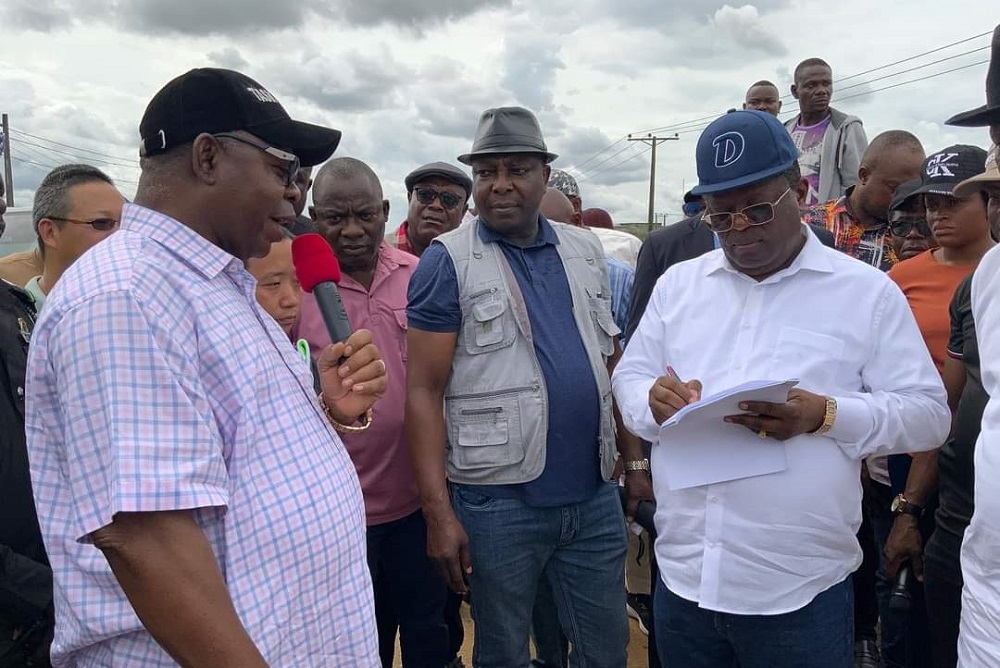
(483, 395)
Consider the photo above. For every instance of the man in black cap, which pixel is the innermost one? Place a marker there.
(510, 328)
(438, 194)
(197, 504)
(911, 234)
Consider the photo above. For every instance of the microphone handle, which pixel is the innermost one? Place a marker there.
(332, 309)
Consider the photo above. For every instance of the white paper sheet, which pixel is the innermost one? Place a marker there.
(697, 448)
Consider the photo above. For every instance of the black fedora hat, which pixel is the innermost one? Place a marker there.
(507, 130)
(989, 113)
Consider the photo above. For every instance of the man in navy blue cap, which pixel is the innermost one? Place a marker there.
(755, 568)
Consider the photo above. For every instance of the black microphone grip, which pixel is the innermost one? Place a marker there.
(332, 309)
(900, 598)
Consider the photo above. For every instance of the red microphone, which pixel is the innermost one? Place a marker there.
(319, 272)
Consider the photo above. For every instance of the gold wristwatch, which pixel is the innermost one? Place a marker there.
(636, 465)
(828, 418)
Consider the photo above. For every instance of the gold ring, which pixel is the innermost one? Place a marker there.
(762, 433)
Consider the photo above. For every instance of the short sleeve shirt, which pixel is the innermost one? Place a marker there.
(809, 141)
(157, 383)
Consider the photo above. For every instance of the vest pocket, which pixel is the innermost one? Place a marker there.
(485, 432)
(491, 326)
(604, 325)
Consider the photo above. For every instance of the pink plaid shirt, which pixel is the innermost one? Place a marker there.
(155, 383)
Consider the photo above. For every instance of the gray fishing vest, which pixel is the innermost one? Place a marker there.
(496, 406)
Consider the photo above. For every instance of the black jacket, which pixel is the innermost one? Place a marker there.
(25, 576)
(665, 247)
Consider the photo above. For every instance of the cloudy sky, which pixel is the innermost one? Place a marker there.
(406, 81)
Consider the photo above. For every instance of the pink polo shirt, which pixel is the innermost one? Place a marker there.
(380, 453)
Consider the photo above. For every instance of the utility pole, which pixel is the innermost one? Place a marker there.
(8, 172)
(652, 141)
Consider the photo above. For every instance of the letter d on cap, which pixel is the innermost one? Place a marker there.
(728, 148)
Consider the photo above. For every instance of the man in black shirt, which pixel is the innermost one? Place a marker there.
(25, 576)
(967, 398)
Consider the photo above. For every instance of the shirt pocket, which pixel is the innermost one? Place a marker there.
(485, 432)
(814, 358)
(490, 323)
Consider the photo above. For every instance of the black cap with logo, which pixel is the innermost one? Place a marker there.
(947, 168)
(217, 100)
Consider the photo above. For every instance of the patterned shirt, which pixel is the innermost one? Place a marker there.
(621, 277)
(870, 245)
(400, 238)
(809, 141)
(156, 383)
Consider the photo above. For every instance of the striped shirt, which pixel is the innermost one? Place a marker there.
(156, 383)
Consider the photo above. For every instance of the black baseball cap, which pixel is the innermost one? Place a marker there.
(904, 193)
(216, 100)
(945, 169)
(442, 170)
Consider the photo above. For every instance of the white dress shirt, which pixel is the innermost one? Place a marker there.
(979, 635)
(769, 544)
(619, 244)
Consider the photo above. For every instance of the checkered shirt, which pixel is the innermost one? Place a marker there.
(156, 383)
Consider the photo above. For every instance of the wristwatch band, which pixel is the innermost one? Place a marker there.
(828, 418)
(900, 506)
(637, 465)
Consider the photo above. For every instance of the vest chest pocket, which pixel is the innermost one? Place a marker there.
(489, 324)
(604, 325)
(485, 431)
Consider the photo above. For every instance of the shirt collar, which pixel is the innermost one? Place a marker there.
(388, 260)
(812, 257)
(546, 234)
(179, 240)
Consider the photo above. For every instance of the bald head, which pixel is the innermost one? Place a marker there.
(888, 146)
(345, 169)
(556, 206)
(892, 158)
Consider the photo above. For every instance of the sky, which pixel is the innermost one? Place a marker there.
(407, 81)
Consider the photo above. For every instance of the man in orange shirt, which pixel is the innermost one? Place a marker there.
(929, 280)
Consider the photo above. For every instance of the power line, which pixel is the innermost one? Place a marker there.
(627, 146)
(684, 125)
(78, 148)
(618, 164)
(580, 166)
(866, 92)
(78, 157)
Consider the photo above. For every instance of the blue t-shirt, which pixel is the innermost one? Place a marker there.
(572, 470)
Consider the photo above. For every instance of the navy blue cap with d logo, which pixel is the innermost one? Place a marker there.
(740, 149)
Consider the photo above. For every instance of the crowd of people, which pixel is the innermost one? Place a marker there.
(197, 471)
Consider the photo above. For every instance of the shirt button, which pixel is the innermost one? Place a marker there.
(712, 544)
(714, 499)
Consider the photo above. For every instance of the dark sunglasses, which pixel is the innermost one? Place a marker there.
(901, 228)
(99, 224)
(428, 195)
(291, 160)
(755, 214)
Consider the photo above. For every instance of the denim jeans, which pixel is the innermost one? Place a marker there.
(580, 548)
(820, 635)
(408, 592)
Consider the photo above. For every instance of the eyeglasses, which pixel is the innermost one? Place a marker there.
(99, 224)
(901, 228)
(755, 214)
(428, 195)
(291, 160)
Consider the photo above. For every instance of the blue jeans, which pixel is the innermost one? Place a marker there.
(408, 593)
(581, 550)
(820, 635)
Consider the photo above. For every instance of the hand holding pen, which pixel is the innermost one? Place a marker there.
(669, 394)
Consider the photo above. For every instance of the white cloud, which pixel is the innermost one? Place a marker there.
(407, 82)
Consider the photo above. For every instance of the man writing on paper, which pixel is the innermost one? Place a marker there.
(756, 570)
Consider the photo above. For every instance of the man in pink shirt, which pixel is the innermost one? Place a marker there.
(350, 212)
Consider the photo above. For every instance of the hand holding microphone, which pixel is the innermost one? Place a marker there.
(352, 373)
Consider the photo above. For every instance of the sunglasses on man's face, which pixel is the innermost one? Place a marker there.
(428, 195)
(755, 214)
(901, 228)
(290, 169)
(99, 224)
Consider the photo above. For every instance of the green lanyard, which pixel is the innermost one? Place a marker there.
(303, 347)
